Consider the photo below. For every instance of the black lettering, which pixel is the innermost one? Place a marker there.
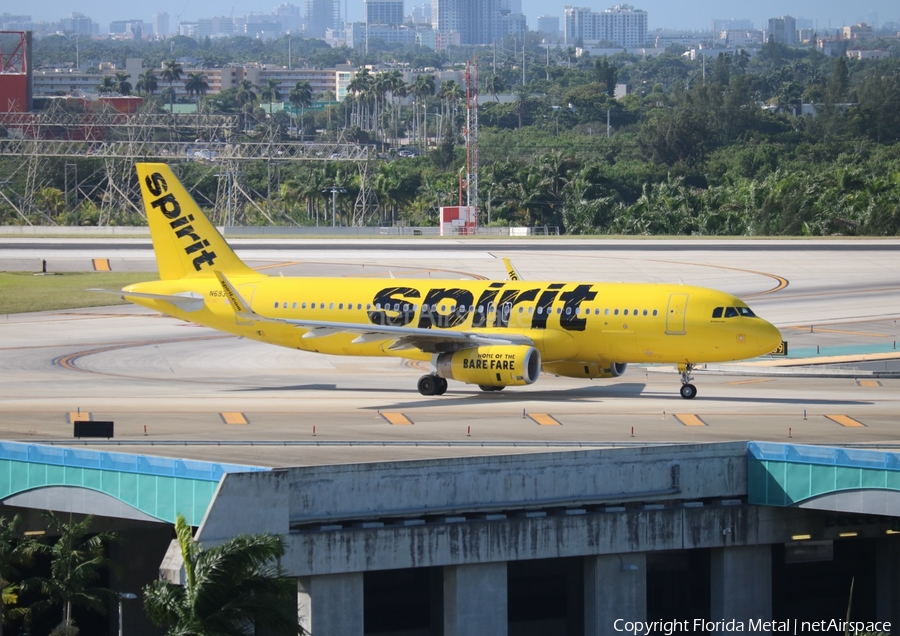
(156, 184)
(190, 249)
(454, 296)
(570, 319)
(393, 296)
(508, 300)
(544, 305)
(205, 257)
(187, 230)
(480, 317)
(181, 221)
(163, 202)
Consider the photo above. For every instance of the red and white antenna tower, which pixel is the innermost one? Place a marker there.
(472, 137)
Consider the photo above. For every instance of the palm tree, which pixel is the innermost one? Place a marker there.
(521, 105)
(422, 88)
(496, 85)
(245, 97)
(77, 560)
(147, 82)
(301, 95)
(171, 73)
(231, 588)
(196, 86)
(123, 86)
(107, 85)
(270, 92)
(15, 550)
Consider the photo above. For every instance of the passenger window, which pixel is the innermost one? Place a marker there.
(284, 306)
(606, 311)
(443, 308)
(625, 313)
(276, 305)
(294, 306)
(377, 305)
(358, 306)
(540, 310)
(521, 309)
(303, 306)
(654, 312)
(645, 312)
(568, 310)
(341, 306)
(634, 313)
(531, 310)
(321, 305)
(331, 305)
(559, 310)
(717, 312)
(616, 312)
(405, 307)
(731, 312)
(368, 306)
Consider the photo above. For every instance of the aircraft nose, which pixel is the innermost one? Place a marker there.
(769, 337)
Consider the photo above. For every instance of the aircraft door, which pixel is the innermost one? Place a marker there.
(676, 314)
(246, 292)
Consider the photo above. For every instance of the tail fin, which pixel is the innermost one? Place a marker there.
(185, 242)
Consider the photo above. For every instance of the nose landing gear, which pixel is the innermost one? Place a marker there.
(688, 390)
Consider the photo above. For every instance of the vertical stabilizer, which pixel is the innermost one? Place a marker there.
(185, 242)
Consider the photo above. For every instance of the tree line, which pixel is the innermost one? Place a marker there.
(785, 142)
(231, 589)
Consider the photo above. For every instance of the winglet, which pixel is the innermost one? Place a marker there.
(241, 307)
(511, 270)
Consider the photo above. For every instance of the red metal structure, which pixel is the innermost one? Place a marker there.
(15, 48)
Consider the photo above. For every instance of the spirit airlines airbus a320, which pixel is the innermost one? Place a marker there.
(492, 334)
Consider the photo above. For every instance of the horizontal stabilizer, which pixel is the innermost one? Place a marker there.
(188, 301)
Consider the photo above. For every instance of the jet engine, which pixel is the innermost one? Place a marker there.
(586, 369)
(492, 366)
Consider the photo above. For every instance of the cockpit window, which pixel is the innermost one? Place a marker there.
(746, 312)
(731, 312)
(717, 312)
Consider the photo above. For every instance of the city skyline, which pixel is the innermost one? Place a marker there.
(694, 16)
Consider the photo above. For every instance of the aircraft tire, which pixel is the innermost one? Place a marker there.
(441, 385)
(428, 385)
(489, 387)
(688, 391)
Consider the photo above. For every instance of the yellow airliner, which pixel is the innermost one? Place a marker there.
(490, 333)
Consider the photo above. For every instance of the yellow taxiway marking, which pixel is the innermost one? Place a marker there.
(851, 333)
(234, 418)
(756, 381)
(868, 383)
(689, 419)
(845, 420)
(544, 419)
(79, 416)
(396, 419)
(101, 265)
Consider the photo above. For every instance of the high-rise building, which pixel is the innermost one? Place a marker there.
(548, 26)
(383, 11)
(321, 16)
(161, 25)
(421, 14)
(622, 24)
(476, 21)
(783, 30)
(78, 24)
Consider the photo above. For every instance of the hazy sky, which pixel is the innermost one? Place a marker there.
(695, 14)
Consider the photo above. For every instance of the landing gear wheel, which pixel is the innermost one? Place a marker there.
(428, 385)
(441, 385)
(688, 391)
(488, 387)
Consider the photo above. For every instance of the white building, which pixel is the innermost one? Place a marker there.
(622, 24)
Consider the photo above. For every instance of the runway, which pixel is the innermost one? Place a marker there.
(163, 381)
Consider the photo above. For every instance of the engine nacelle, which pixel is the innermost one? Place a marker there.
(507, 365)
(586, 369)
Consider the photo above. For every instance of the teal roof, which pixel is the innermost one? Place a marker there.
(161, 487)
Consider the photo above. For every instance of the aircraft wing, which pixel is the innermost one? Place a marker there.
(427, 340)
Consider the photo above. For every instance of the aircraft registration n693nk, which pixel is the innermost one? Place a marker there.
(492, 334)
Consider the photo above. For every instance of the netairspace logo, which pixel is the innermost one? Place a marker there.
(790, 626)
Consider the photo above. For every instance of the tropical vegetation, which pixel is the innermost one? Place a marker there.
(785, 142)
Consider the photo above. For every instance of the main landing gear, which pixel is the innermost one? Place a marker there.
(432, 385)
(688, 390)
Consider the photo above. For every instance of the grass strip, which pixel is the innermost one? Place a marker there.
(24, 292)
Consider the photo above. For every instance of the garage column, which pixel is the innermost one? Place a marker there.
(887, 577)
(331, 604)
(615, 587)
(741, 583)
(475, 600)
